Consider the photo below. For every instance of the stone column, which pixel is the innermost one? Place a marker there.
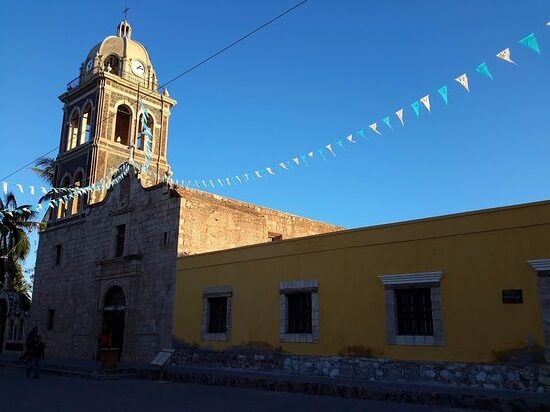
(542, 266)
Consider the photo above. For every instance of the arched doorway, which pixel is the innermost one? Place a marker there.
(3, 319)
(111, 340)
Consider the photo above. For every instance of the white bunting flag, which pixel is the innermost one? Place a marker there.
(463, 80)
(220, 182)
(228, 181)
(196, 184)
(246, 177)
(297, 161)
(269, 170)
(426, 101)
(43, 190)
(399, 114)
(257, 173)
(350, 139)
(212, 183)
(329, 147)
(548, 24)
(374, 128)
(32, 190)
(283, 165)
(310, 154)
(5, 187)
(506, 55)
(20, 187)
(204, 184)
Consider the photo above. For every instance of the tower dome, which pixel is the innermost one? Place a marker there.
(121, 55)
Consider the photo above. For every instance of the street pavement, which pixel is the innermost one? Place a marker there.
(58, 393)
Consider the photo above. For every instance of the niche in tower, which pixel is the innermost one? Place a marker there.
(122, 125)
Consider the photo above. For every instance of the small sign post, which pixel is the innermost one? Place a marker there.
(162, 359)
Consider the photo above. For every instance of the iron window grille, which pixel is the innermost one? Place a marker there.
(299, 312)
(414, 311)
(217, 321)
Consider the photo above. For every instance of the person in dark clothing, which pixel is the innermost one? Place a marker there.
(36, 356)
(28, 343)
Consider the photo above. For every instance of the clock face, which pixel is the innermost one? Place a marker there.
(138, 68)
(89, 65)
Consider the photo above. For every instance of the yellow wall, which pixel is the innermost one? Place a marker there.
(480, 253)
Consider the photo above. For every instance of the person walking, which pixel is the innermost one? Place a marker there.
(28, 343)
(36, 357)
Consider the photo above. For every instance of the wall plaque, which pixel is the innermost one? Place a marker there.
(512, 295)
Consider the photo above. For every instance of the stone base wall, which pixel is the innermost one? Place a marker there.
(523, 377)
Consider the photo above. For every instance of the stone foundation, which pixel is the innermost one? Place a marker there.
(521, 377)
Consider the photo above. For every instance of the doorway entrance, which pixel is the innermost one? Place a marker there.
(111, 341)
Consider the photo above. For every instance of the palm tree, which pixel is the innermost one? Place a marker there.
(45, 168)
(15, 224)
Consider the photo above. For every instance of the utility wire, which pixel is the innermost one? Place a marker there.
(189, 70)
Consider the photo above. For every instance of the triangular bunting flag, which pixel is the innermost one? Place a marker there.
(32, 189)
(484, 69)
(228, 181)
(257, 173)
(320, 151)
(311, 154)
(374, 128)
(329, 147)
(341, 144)
(283, 165)
(303, 157)
(443, 93)
(350, 139)
(426, 101)
(531, 42)
(463, 80)
(506, 55)
(361, 132)
(387, 121)
(269, 170)
(246, 176)
(5, 187)
(296, 160)
(212, 183)
(20, 187)
(416, 107)
(399, 114)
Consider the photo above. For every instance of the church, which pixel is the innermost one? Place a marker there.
(146, 265)
(106, 263)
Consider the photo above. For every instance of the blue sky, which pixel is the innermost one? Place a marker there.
(325, 70)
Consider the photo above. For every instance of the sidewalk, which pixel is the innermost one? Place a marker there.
(434, 395)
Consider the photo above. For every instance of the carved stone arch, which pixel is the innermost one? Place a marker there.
(63, 209)
(79, 180)
(123, 128)
(86, 121)
(72, 128)
(139, 139)
(114, 308)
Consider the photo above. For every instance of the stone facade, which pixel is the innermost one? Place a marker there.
(162, 222)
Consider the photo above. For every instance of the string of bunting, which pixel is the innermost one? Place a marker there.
(55, 196)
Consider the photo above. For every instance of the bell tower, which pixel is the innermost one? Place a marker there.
(102, 113)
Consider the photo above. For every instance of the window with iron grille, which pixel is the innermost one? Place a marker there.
(414, 311)
(299, 312)
(217, 319)
(120, 237)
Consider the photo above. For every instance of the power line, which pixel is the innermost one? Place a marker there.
(189, 70)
